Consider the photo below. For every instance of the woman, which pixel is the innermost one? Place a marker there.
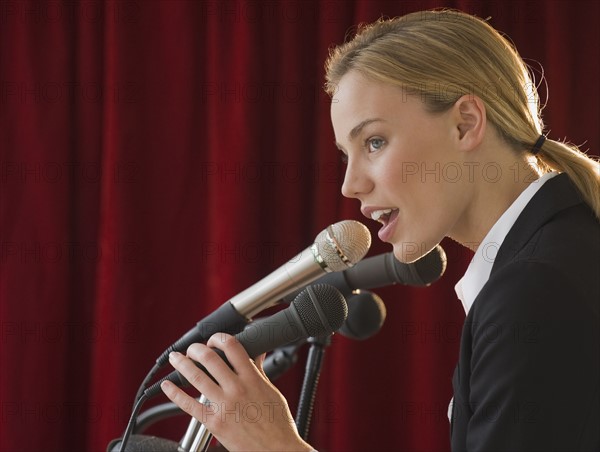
(439, 121)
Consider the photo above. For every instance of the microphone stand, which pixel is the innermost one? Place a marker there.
(314, 363)
(197, 438)
(202, 440)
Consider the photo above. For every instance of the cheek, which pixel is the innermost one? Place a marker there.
(417, 162)
(427, 213)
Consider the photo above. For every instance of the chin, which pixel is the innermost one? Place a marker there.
(409, 252)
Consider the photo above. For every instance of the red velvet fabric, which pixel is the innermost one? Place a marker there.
(158, 157)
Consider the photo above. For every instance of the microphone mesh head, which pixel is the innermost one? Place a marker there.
(322, 312)
(366, 314)
(343, 244)
(140, 443)
(431, 266)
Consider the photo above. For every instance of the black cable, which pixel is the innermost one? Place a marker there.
(145, 383)
(155, 414)
(131, 423)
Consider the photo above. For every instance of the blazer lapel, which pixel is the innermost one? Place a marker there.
(557, 194)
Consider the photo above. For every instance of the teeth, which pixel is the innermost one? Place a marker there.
(376, 215)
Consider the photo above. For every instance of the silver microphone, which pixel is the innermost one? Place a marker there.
(336, 248)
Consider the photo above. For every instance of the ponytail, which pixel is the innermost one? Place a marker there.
(582, 169)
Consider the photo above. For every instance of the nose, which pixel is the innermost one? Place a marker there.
(356, 180)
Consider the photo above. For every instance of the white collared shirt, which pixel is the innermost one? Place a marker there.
(479, 269)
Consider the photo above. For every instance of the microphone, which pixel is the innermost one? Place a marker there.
(336, 248)
(318, 310)
(366, 314)
(143, 443)
(384, 270)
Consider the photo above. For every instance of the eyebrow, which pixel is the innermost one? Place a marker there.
(358, 128)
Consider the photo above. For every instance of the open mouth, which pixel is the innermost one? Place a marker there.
(384, 216)
(387, 217)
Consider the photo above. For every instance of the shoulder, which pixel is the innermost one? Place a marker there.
(535, 288)
(552, 265)
(556, 225)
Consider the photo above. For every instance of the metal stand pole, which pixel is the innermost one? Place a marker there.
(314, 362)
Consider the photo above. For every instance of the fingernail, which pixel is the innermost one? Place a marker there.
(174, 356)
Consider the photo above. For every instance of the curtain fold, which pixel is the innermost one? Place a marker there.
(159, 157)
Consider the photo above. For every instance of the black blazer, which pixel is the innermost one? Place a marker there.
(528, 371)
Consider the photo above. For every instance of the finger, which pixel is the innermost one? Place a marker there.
(197, 377)
(202, 412)
(214, 362)
(259, 360)
(235, 353)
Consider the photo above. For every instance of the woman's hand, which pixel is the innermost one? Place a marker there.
(245, 412)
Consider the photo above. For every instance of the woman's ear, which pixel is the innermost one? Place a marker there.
(470, 117)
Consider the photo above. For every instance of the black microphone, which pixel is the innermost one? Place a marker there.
(366, 314)
(336, 248)
(318, 310)
(384, 270)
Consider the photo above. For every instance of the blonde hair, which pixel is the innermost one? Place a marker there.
(441, 55)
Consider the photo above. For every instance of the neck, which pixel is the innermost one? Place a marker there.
(498, 183)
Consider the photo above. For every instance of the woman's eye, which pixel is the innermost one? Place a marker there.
(375, 144)
(344, 158)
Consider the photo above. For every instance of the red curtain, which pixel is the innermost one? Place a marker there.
(158, 157)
